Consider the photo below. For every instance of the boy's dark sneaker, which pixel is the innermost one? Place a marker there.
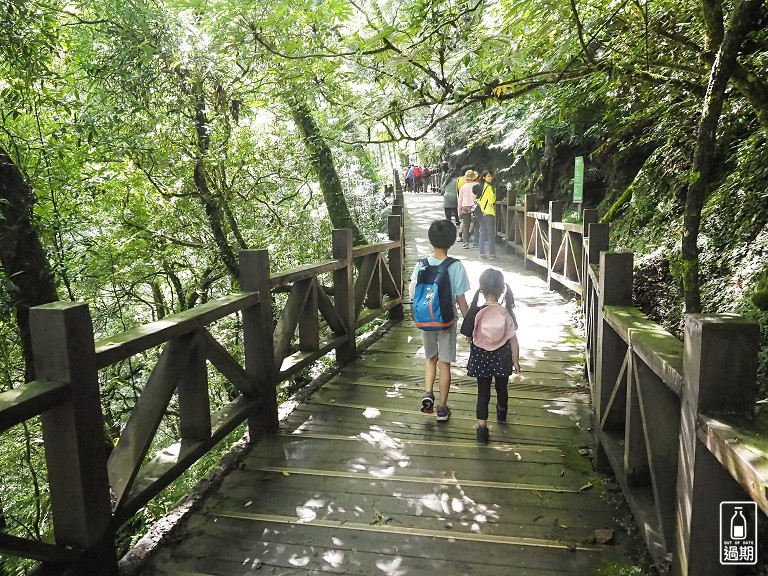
(428, 403)
(482, 435)
(443, 413)
(501, 414)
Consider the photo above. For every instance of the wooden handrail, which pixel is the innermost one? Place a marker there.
(121, 346)
(655, 397)
(130, 477)
(30, 400)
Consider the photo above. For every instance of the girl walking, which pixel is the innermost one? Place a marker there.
(494, 352)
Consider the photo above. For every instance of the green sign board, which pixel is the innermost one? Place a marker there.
(578, 180)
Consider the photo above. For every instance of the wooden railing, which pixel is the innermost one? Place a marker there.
(543, 239)
(93, 492)
(672, 420)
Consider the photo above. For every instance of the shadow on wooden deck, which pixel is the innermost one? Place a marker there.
(360, 482)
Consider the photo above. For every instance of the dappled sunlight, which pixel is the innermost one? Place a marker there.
(298, 561)
(395, 390)
(334, 558)
(391, 566)
(565, 407)
(371, 412)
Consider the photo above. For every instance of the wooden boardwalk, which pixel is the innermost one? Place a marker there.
(360, 482)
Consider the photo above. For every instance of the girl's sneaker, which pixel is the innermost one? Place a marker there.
(482, 435)
(428, 403)
(501, 414)
(443, 413)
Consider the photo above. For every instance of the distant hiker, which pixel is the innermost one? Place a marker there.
(426, 173)
(417, 183)
(466, 204)
(494, 352)
(445, 173)
(409, 178)
(450, 194)
(440, 345)
(487, 217)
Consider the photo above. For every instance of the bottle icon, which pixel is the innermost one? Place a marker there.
(738, 525)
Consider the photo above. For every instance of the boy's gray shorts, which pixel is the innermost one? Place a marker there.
(441, 343)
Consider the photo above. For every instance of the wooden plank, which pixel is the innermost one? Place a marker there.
(364, 279)
(171, 462)
(640, 500)
(374, 295)
(373, 314)
(126, 344)
(364, 549)
(328, 311)
(573, 285)
(661, 426)
(289, 319)
(136, 438)
(406, 496)
(568, 227)
(226, 364)
(30, 400)
(309, 323)
(660, 350)
(301, 273)
(388, 283)
(300, 360)
(742, 451)
(24, 548)
(377, 248)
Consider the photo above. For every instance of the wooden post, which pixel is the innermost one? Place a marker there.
(555, 238)
(398, 209)
(73, 433)
(595, 241)
(396, 263)
(589, 216)
(719, 371)
(598, 242)
(192, 390)
(528, 225)
(344, 293)
(615, 290)
(258, 342)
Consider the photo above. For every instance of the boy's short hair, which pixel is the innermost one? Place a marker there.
(442, 234)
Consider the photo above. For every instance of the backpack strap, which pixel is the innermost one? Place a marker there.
(445, 264)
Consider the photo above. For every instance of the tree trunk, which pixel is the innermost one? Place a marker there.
(25, 263)
(211, 204)
(321, 160)
(743, 20)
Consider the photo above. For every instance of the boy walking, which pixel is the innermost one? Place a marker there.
(440, 345)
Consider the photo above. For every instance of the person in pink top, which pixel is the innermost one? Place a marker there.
(467, 201)
(494, 352)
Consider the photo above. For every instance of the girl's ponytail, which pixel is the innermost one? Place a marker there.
(473, 305)
(509, 303)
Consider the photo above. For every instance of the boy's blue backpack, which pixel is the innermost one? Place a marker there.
(433, 307)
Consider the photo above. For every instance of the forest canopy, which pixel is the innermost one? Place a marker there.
(143, 144)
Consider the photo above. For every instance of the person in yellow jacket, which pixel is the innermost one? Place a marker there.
(487, 203)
